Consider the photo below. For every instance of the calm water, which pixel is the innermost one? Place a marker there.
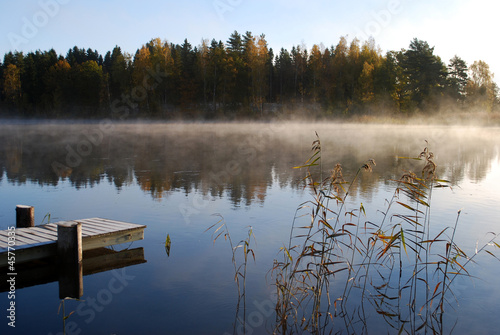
(174, 177)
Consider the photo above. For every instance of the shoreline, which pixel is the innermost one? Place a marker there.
(476, 119)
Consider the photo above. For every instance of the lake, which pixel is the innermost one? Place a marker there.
(173, 177)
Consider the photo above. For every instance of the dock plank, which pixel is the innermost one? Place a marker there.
(33, 234)
(93, 230)
(4, 233)
(44, 232)
(21, 239)
(110, 223)
(108, 228)
(51, 227)
(102, 227)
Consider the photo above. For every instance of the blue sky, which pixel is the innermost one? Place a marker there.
(463, 27)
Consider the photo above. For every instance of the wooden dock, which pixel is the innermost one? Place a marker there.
(38, 242)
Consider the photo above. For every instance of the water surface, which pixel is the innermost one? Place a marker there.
(173, 177)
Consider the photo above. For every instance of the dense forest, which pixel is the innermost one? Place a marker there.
(242, 78)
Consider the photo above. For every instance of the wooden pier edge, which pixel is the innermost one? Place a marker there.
(41, 241)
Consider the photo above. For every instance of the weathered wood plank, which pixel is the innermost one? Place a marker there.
(101, 225)
(51, 227)
(20, 239)
(46, 228)
(110, 223)
(49, 234)
(102, 228)
(30, 236)
(94, 231)
(33, 236)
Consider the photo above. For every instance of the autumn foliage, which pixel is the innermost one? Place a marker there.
(242, 78)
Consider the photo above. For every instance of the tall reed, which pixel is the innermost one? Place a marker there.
(340, 270)
(220, 229)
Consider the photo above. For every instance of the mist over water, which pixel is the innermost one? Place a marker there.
(174, 176)
(176, 154)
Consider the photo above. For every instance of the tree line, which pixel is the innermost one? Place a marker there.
(242, 77)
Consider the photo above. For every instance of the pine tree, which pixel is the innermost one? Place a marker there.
(457, 78)
(426, 72)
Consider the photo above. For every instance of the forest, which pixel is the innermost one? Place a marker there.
(242, 79)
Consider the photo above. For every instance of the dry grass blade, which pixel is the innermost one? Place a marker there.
(240, 271)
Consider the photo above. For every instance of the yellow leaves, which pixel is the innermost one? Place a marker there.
(155, 55)
(366, 82)
(481, 88)
(12, 82)
(142, 61)
(61, 65)
(315, 60)
(341, 48)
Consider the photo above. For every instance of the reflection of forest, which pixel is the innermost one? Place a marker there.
(237, 161)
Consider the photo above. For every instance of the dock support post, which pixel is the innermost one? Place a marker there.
(25, 216)
(69, 253)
